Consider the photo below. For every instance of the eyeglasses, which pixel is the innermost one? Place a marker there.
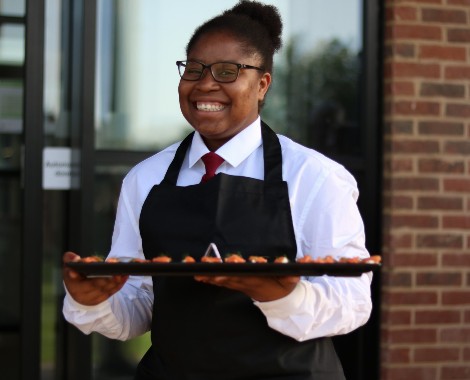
(223, 72)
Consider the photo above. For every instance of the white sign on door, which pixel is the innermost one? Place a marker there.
(60, 168)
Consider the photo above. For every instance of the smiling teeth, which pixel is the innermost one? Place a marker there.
(209, 107)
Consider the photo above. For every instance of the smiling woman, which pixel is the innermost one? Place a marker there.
(263, 185)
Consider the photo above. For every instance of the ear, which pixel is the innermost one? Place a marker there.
(264, 83)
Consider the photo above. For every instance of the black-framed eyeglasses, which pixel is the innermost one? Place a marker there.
(223, 72)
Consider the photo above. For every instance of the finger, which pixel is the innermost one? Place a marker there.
(70, 256)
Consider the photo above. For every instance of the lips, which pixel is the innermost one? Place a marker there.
(209, 106)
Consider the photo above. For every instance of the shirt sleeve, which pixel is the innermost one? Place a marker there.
(125, 315)
(330, 224)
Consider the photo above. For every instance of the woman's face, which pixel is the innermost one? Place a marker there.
(218, 111)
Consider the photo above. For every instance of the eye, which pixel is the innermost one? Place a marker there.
(225, 70)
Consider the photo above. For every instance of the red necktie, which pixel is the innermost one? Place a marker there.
(212, 161)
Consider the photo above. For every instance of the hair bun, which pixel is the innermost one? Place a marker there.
(266, 15)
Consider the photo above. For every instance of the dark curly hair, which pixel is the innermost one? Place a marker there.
(257, 26)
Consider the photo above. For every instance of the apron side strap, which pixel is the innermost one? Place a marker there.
(171, 176)
(272, 154)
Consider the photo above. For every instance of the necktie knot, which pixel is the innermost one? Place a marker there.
(211, 161)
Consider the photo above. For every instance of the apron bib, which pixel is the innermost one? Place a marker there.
(205, 332)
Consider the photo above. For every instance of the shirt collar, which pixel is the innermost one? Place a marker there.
(234, 151)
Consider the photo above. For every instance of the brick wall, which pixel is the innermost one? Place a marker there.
(426, 215)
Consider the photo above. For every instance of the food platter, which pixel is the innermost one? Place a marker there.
(222, 269)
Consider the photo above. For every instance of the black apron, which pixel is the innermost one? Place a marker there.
(205, 332)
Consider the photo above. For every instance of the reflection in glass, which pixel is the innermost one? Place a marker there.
(12, 7)
(314, 97)
(11, 44)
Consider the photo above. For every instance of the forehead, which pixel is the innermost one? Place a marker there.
(216, 47)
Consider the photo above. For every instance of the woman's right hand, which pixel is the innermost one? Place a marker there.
(89, 291)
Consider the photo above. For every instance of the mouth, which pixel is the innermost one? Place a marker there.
(209, 107)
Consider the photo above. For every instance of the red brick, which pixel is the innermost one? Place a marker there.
(458, 110)
(397, 356)
(456, 298)
(443, 90)
(466, 354)
(400, 165)
(442, 279)
(404, 127)
(458, 2)
(440, 203)
(412, 70)
(443, 53)
(401, 202)
(444, 128)
(437, 165)
(455, 373)
(437, 317)
(416, 298)
(458, 35)
(396, 317)
(413, 336)
(439, 241)
(431, 355)
(414, 221)
(406, 107)
(402, 50)
(457, 72)
(401, 13)
(408, 372)
(397, 279)
(400, 88)
(418, 1)
(457, 185)
(456, 259)
(412, 184)
(455, 335)
(415, 146)
(413, 32)
(444, 16)
(413, 260)
(398, 240)
(456, 222)
(457, 147)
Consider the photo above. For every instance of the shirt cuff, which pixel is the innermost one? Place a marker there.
(73, 305)
(282, 308)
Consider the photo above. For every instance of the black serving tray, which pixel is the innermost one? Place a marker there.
(222, 269)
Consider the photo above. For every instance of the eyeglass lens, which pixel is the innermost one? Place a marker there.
(221, 71)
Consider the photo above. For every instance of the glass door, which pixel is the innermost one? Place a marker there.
(109, 101)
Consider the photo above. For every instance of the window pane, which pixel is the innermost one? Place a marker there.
(12, 7)
(11, 44)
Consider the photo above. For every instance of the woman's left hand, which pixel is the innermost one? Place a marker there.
(261, 288)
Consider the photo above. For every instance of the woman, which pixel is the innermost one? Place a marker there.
(270, 197)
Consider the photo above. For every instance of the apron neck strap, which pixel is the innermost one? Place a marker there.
(271, 152)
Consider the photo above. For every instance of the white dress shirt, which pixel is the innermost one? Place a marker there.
(326, 221)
